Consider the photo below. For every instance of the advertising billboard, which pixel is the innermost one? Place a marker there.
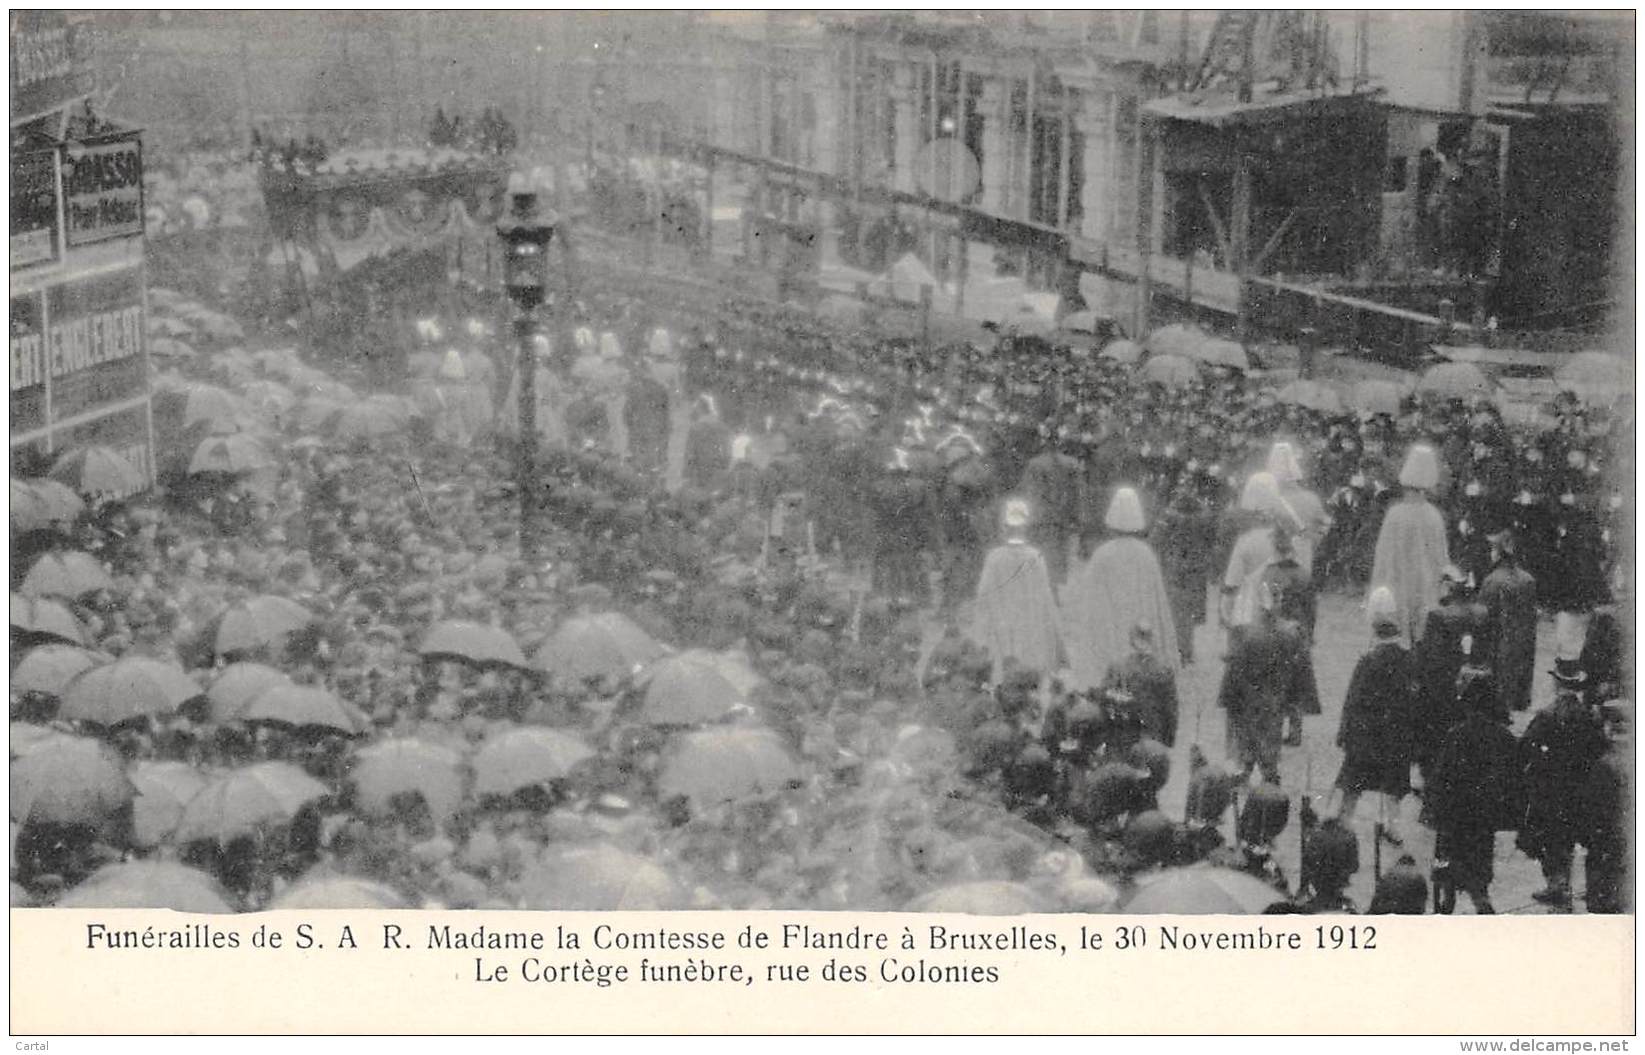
(34, 234)
(103, 190)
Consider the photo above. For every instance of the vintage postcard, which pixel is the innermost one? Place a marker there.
(823, 521)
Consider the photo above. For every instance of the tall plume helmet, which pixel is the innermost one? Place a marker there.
(1283, 463)
(1421, 469)
(1125, 512)
(1381, 608)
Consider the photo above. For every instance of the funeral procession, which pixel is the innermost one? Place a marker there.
(1145, 462)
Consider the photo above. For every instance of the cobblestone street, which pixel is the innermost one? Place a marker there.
(1312, 768)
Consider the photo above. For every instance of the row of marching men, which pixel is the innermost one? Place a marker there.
(1443, 661)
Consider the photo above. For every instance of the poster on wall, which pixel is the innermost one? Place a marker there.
(103, 190)
(51, 54)
(34, 234)
(28, 363)
(94, 343)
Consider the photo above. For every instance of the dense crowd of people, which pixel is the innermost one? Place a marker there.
(929, 605)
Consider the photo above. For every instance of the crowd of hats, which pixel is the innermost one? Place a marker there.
(313, 668)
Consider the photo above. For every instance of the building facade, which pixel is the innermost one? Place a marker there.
(78, 354)
(1439, 165)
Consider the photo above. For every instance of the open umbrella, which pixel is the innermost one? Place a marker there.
(403, 766)
(98, 472)
(214, 406)
(241, 801)
(1376, 397)
(1594, 368)
(219, 326)
(238, 453)
(1219, 351)
(39, 505)
(131, 687)
(169, 348)
(1312, 395)
(598, 879)
(163, 789)
(364, 421)
(1171, 370)
(472, 643)
(311, 382)
(1174, 339)
(237, 684)
(1122, 351)
(236, 361)
(44, 619)
(320, 890)
(167, 326)
(68, 574)
(64, 779)
(687, 691)
(46, 669)
(261, 622)
(151, 885)
(717, 765)
(732, 665)
(606, 644)
(1202, 892)
(996, 898)
(520, 758)
(1456, 379)
(1086, 322)
(314, 411)
(279, 361)
(302, 706)
(269, 397)
(1595, 377)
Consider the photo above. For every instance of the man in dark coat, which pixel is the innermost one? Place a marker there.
(1291, 586)
(707, 449)
(1267, 675)
(1508, 596)
(904, 525)
(1558, 751)
(1375, 734)
(645, 413)
(1606, 798)
(1454, 633)
(1185, 539)
(1473, 792)
(1145, 687)
(1576, 559)
(965, 499)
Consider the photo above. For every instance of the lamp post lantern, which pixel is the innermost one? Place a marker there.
(526, 228)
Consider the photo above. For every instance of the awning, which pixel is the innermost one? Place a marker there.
(1221, 109)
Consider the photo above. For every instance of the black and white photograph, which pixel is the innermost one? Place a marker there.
(997, 462)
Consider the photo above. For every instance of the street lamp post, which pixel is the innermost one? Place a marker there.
(526, 228)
